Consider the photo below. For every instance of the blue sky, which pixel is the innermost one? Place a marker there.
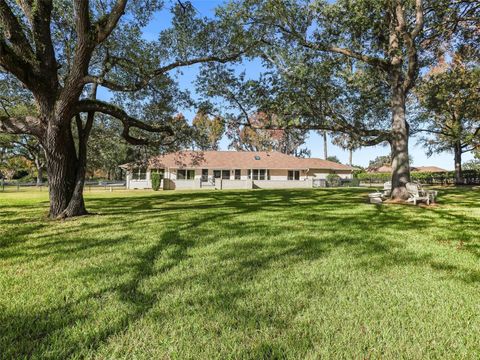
(361, 157)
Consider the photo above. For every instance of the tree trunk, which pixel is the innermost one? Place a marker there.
(350, 157)
(39, 176)
(458, 163)
(39, 167)
(399, 145)
(325, 145)
(64, 173)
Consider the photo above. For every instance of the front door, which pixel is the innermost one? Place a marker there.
(204, 174)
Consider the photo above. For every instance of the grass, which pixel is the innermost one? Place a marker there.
(256, 274)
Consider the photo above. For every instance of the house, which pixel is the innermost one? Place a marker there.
(233, 170)
(421, 169)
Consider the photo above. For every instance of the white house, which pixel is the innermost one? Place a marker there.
(232, 170)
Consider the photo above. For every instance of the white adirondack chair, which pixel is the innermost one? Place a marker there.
(387, 189)
(417, 193)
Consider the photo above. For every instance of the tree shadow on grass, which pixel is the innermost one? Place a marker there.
(27, 335)
(48, 332)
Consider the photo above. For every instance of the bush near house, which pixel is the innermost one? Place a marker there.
(156, 180)
(333, 180)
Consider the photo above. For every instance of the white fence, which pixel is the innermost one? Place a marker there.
(88, 186)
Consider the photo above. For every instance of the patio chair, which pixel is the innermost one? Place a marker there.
(387, 189)
(417, 193)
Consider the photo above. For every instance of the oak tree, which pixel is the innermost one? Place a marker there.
(62, 51)
(387, 42)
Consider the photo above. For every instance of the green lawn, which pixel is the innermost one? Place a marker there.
(241, 274)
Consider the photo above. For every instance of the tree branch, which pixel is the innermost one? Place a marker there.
(16, 65)
(41, 22)
(418, 19)
(82, 21)
(107, 23)
(20, 125)
(13, 31)
(373, 61)
(409, 39)
(91, 106)
(100, 80)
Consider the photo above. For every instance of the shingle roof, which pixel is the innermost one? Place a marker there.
(240, 160)
(388, 169)
(428, 169)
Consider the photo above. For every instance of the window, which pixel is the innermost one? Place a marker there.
(183, 174)
(139, 174)
(259, 174)
(221, 174)
(204, 174)
(238, 174)
(293, 175)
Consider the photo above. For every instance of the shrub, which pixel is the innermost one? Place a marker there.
(156, 179)
(373, 177)
(333, 180)
(470, 176)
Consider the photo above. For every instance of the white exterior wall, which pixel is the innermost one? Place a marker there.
(345, 174)
(139, 184)
(234, 184)
(282, 184)
(283, 174)
(187, 184)
(278, 179)
(322, 173)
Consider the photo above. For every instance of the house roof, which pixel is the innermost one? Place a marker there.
(239, 160)
(428, 169)
(423, 169)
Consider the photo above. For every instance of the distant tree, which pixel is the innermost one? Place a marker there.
(325, 143)
(250, 124)
(207, 131)
(15, 167)
(385, 160)
(105, 151)
(450, 108)
(472, 165)
(26, 147)
(260, 135)
(334, 159)
(346, 142)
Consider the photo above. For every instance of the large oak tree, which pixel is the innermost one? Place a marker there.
(387, 42)
(60, 52)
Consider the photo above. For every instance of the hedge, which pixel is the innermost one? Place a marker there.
(471, 177)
